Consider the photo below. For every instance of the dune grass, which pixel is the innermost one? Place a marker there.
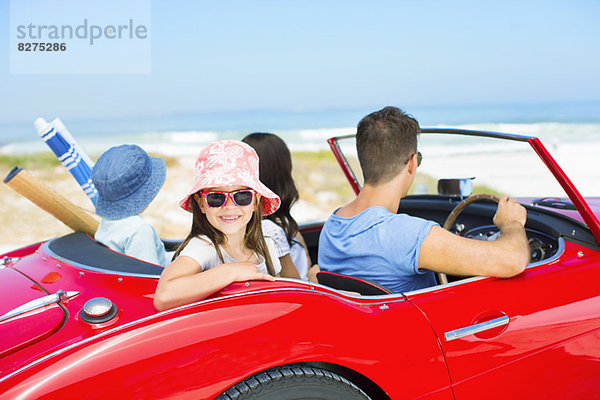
(28, 161)
(319, 179)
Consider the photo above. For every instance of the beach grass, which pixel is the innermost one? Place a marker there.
(28, 161)
(427, 184)
(319, 179)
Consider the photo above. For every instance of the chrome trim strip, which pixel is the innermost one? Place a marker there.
(8, 260)
(183, 307)
(94, 269)
(447, 285)
(38, 303)
(556, 256)
(384, 299)
(472, 329)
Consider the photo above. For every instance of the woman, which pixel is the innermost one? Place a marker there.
(275, 168)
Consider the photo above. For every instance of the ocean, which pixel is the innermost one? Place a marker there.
(186, 134)
(570, 130)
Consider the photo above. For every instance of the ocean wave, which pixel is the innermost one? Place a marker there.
(191, 137)
(186, 142)
(563, 132)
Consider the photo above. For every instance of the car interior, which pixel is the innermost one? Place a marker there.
(543, 229)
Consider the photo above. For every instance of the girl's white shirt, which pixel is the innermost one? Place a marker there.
(204, 253)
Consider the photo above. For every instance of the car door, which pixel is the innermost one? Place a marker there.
(536, 335)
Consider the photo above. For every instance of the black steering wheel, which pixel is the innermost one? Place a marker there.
(442, 278)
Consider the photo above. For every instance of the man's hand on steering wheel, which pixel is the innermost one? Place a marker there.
(509, 215)
(509, 212)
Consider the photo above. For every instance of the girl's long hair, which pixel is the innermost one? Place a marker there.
(275, 168)
(253, 239)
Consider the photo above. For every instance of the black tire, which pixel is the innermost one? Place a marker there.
(294, 383)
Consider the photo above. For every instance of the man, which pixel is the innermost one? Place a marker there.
(368, 239)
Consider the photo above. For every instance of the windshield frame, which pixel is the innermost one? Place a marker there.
(567, 185)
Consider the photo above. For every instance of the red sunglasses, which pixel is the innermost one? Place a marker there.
(242, 198)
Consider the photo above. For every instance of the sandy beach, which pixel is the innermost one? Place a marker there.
(321, 184)
(521, 173)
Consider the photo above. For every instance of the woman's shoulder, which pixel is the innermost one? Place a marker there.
(277, 235)
(270, 241)
(270, 227)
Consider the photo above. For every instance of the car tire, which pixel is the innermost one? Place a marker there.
(294, 383)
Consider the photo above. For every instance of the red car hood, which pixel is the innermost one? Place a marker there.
(27, 327)
(593, 203)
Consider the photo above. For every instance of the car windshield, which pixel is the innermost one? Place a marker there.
(497, 166)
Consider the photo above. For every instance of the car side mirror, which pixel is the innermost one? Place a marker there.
(456, 187)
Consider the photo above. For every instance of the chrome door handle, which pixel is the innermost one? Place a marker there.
(472, 329)
(37, 303)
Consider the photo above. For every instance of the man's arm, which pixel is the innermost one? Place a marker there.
(442, 251)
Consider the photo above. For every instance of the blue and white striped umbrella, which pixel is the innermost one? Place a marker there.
(69, 155)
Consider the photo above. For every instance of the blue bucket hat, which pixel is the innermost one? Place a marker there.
(127, 180)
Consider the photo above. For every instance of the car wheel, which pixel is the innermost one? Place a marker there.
(294, 383)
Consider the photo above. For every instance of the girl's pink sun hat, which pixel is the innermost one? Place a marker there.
(230, 163)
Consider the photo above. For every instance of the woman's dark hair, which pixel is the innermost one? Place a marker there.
(275, 168)
(253, 239)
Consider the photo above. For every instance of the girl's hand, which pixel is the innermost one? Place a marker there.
(245, 271)
(183, 281)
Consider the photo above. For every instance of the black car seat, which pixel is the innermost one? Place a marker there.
(351, 284)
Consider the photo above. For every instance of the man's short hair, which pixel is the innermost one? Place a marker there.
(385, 140)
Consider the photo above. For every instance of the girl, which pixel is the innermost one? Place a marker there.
(225, 243)
(276, 173)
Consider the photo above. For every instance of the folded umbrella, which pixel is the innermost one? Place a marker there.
(62, 129)
(69, 156)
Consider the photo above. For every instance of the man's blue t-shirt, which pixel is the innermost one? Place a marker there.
(377, 245)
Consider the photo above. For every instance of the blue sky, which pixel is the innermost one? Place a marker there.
(320, 55)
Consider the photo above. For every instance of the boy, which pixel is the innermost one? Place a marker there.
(127, 180)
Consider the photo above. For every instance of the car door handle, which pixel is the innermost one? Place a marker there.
(476, 328)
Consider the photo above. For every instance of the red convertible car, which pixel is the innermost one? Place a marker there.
(77, 321)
